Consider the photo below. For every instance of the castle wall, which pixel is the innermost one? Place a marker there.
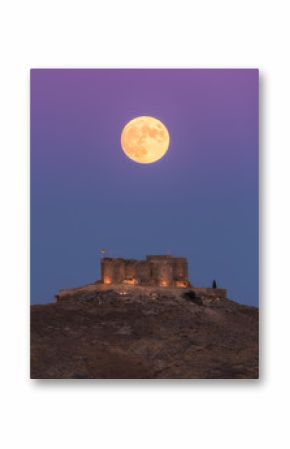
(161, 269)
(164, 271)
(130, 269)
(143, 273)
(107, 271)
(118, 271)
(113, 270)
(180, 269)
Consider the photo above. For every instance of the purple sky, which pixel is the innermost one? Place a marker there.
(200, 201)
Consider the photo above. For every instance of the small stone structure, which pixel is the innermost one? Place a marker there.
(159, 271)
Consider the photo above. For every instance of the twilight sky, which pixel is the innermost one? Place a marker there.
(200, 201)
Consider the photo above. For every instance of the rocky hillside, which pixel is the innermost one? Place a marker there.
(105, 335)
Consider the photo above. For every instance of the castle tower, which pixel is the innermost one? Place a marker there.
(162, 270)
(112, 270)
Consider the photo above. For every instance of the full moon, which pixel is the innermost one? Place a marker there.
(145, 140)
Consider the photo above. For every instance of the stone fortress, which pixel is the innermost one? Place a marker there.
(159, 271)
(160, 276)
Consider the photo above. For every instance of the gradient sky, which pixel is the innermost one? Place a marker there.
(200, 201)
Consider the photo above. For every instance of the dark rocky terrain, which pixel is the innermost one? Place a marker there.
(105, 335)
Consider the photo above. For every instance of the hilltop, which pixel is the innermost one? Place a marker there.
(106, 335)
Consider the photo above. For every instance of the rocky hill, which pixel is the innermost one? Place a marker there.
(106, 335)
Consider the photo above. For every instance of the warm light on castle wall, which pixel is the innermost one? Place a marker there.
(107, 280)
(130, 281)
(181, 284)
(163, 283)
